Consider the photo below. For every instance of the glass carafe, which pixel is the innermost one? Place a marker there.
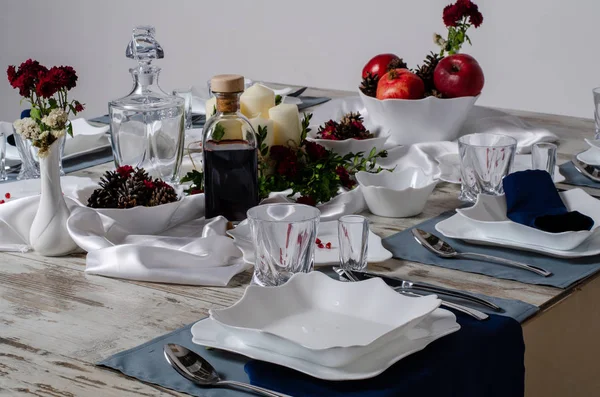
(147, 126)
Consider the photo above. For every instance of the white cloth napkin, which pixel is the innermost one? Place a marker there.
(427, 155)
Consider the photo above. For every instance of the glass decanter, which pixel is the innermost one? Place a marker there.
(230, 156)
(147, 126)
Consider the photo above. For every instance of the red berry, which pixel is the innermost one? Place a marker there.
(318, 241)
(7, 195)
(328, 246)
(2, 201)
(321, 246)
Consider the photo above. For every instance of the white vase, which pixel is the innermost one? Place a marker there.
(48, 235)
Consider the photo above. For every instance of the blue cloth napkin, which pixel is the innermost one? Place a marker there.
(484, 358)
(532, 200)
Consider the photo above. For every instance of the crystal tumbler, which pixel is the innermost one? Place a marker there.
(284, 239)
(596, 93)
(543, 157)
(485, 159)
(186, 94)
(3, 175)
(353, 235)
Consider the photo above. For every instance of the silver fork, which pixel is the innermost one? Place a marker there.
(479, 315)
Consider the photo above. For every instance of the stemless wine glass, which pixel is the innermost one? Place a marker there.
(543, 157)
(596, 93)
(284, 239)
(353, 236)
(485, 159)
(3, 175)
(186, 94)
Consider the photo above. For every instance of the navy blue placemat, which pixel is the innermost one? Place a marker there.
(484, 358)
(573, 177)
(566, 271)
(199, 120)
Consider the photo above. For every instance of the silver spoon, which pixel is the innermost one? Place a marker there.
(195, 368)
(444, 250)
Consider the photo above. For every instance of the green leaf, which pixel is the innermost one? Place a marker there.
(70, 129)
(218, 133)
(278, 99)
(52, 102)
(35, 114)
(305, 124)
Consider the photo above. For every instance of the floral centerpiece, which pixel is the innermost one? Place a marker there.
(46, 91)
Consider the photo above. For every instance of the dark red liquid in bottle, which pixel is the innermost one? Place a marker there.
(230, 179)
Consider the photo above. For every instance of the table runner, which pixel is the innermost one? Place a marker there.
(566, 271)
(573, 177)
(484, 358)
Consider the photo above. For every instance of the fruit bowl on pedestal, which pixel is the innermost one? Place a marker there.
(419, 120)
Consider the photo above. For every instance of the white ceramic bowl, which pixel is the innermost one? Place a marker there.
(352, 145)
(323, 320)
(149, 220)
(397, 194)
(489, 216)
(411, 121)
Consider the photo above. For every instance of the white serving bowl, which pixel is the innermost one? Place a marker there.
(352, 145)
(396, 194)
(318, 319)
(411, 121)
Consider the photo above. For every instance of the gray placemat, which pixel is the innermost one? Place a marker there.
(566, 271)
(573, 177)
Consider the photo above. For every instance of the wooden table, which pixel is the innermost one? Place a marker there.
(56, 321)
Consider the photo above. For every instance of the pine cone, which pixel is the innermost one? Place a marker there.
(162, 195)
(350, 117)
(102, 198)
(425, 72)
(397, 64)
(434, 93)
(133, 193)
(369, 85)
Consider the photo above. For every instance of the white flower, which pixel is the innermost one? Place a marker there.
(27, 128)
(58, 133)
(56, 119)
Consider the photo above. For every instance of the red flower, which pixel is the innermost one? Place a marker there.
(79, 107)
(345, 178)
(475, 17)
(124, 170)
(314, 150)
(25, 78)
(288, 167)
(328, 131)
(452, 14)
(279, 152)
(46, 87)
(70, 77)
(149, 185)
(308, 200)
(11, 72)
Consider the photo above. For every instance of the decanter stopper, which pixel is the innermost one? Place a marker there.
(143, 46)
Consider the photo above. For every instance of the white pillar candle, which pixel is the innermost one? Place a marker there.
(233, 129)
(259, 121)
(210, 105)
(286, 120)
(256, 101)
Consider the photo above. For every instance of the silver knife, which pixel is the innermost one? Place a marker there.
(586, 170)
(405, 284)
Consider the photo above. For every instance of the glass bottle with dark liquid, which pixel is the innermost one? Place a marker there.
(230, 154)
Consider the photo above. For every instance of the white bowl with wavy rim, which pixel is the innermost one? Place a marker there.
(149, 220)
(489, 216)
(411, 121)
(352, 145)
(397, 194)
(323, 320)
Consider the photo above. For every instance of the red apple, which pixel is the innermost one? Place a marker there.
(378, 65)
(458, 75)
(400, 84)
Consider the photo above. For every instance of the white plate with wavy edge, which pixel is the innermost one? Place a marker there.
(489, 214)
(32, 187)
(450, 167)
(329, 321)
(591, 156)
(459, 227)
(436, 325)
(327, 233)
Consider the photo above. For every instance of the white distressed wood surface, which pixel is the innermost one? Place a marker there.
(56, 321)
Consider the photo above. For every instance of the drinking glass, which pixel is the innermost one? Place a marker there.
(3, 175)
(596, 93)
(284, 238)
(353, 235)
(485, 159)
(186, 94)
(543, 157)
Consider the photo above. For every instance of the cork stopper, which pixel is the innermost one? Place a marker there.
(227, 83)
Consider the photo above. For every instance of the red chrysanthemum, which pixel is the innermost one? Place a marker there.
(475, 17)
(124, 170)
(79, 107)
(26, 76)
(308, 200)
(46, 87)
(70, 77)
(279, 152)
(452, 14)
(11, 72)
(288, 167)
(315, 151)
(149, 184)
(345, 178)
